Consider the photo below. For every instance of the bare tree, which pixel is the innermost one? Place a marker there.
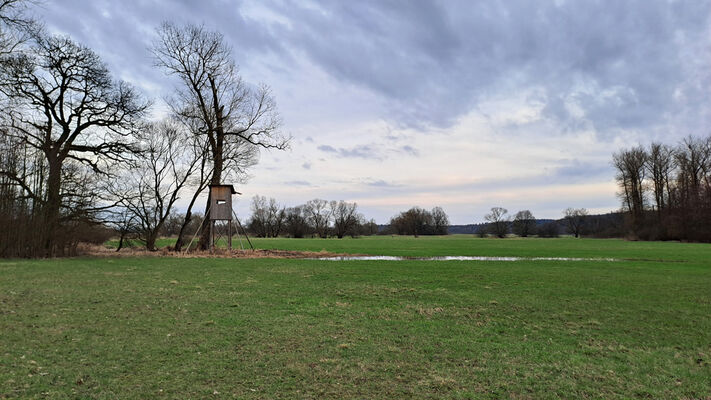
(162, 170)
(415, 221)
(65, 105)
(418, 221)
(575, 220)
(259, 221)
(212, 96)
(524, 223)
(498, 220)
(368, 228)
(276, 215)
(268, 217)
(319, 216)
(15, 24)
(659, 166)
(440, 221)
(631, 170)
(345, 217)
(296, 223)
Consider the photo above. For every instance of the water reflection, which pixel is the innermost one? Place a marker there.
(457, 258)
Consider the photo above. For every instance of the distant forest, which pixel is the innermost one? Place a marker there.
(666, 190)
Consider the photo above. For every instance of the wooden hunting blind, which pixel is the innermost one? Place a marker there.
(221, 210)
(221, 202)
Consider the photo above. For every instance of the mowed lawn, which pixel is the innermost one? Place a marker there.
(285, 328)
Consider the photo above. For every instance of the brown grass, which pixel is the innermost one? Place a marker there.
(86, 249)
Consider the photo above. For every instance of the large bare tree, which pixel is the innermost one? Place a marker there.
(64, 104)
(213, 97)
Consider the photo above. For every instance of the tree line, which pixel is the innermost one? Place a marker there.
(499, 223)
(79, 151)
(666, 190)
(315, 218)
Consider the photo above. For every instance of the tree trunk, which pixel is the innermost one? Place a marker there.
(151, 240)
(54, 201)
(120, 245)
(217, 161)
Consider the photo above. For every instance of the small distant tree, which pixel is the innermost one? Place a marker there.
(440, 221)
(318, 214)
(368, 228)
(631, 168)
(345, 218)
(260, 216)
(482, 230)
(549, 230)
(415, 221)
(498, 220)
(268, 217)
(524, 223)
(296, 223)
(275, 218)
(575, 220)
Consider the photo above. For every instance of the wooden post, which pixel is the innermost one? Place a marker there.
(212, 235)
(229, 234)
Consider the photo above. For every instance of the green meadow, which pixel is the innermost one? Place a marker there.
(163, 327)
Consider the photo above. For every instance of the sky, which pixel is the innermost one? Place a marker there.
(465, 105)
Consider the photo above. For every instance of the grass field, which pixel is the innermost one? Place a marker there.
(285, 328)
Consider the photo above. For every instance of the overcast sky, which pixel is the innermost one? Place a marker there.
(459, 104)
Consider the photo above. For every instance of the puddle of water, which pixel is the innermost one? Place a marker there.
(457, 258)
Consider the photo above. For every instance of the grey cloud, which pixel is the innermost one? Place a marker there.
(327, 148)
(381, 184)
(410, 150)
(620, 62)
(368, 152)
(306, 165)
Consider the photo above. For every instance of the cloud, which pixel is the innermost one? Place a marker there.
(607, 65)
(306, 165)
(407, 149)
(620, 63)
(381, 184)
(367, 152)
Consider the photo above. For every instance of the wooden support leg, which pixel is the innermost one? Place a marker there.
(229, 234)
